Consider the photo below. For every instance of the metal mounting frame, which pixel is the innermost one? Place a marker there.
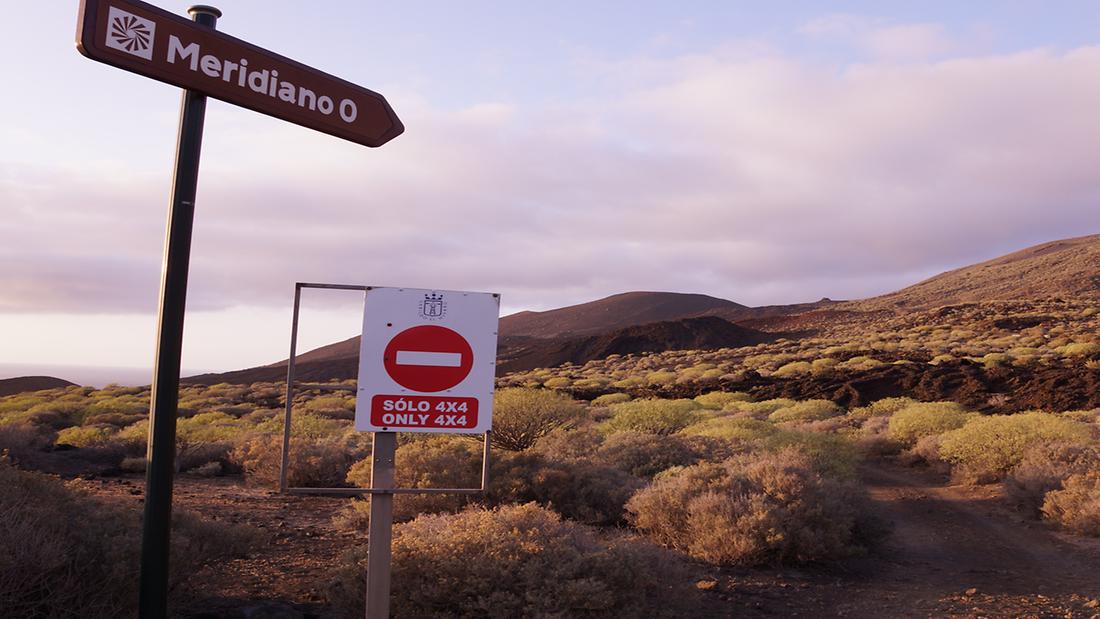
(293, 385)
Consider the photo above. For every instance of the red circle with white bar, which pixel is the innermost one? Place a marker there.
(428, 358)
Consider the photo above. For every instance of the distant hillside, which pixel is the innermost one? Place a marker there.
(705, 332)
(21, 384)
(656, 321)
(614, 312)
(1069, 268)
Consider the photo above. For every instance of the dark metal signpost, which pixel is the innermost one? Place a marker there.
(150, 41)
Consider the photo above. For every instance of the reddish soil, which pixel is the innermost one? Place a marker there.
(955, 551)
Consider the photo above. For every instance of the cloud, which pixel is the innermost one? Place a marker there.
(759, 178)
(881, 38)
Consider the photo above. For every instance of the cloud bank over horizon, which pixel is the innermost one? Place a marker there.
(744, 172)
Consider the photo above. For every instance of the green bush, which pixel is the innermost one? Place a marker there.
(754, 509)
(608, 399)
(793, 369)
(85, 436)
(921, 419)
(439, 463)
(523, 416)
(518, 561)
(986, 448)
(761, 410)
(732, 428)
(827, 453)
(809, 410)
(884, 407)
(1076, 507)
(654, 416)
(717, 400)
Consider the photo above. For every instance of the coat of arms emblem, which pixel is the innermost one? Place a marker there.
(433, 307)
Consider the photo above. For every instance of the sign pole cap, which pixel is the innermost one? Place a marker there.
(203, 9)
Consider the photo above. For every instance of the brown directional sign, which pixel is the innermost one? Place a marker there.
(150, 41)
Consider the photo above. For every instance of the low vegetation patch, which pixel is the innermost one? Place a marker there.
(511, 561)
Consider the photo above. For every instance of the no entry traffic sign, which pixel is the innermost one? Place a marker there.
(427, 361)
(428, 358)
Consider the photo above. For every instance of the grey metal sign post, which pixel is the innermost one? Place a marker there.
(144, 39)
(383, 453)
(161, 451)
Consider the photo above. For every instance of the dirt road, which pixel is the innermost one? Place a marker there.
(955, 551)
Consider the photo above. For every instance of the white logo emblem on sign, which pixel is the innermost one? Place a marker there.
(129, 33)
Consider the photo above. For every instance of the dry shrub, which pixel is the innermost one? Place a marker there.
(986, 448)
(314, 462)
(51, 568)
(579, 490)
(570, 443)
(24, 442)
(910, 424)
(884, 407)
(1076, 507)
(1044, 467)
(440, 463)
(512, 561)
(926, 452)
(523, 416)
(645, 455)
(754, 509)
(654, 416)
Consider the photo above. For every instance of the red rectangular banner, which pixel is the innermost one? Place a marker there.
(394, 412)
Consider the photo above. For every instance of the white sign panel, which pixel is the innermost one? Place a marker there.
(427, 361)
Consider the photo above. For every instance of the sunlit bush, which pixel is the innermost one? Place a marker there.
(718, 400)
(920, 419)
(732, 428)
(611, 398)
(653, 416)
(986, 448)
(809, 410)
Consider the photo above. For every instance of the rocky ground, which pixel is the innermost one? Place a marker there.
(955, 551)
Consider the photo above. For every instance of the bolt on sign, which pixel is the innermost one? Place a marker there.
(150, 41)
(427, 361)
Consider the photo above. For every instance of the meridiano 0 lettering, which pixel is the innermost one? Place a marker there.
(263, 81)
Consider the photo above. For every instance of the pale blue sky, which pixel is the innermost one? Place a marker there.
(555, 152)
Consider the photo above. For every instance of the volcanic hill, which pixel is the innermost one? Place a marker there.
(638, 322)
